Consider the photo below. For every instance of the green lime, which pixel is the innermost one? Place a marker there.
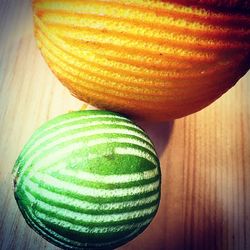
(88, 180)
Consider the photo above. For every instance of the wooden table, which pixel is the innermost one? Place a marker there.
(205, 157)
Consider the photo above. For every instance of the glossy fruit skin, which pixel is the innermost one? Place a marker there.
(88, 180)
(154, 60)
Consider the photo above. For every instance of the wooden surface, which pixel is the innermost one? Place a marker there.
(205, 157)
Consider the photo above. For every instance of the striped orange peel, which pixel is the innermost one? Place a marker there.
(148, 59)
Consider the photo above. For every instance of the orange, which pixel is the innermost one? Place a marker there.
(148, 59)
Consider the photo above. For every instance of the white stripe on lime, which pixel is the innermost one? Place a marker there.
(45, 231)
(109, 179)
(90, 230)
(91, 132)
(63, 122)
(67, 225)
(131, 151)
(90, 218)
(53, 157)
(57, 166)
(64, 186)
(122, 140)
(93, 142)
(135, 152)
(70, 128)
(86, 205)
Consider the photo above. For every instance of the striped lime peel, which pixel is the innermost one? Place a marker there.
(88, 180)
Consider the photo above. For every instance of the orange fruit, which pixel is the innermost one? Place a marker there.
(145, 58)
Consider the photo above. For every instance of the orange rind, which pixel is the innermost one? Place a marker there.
(148, 59)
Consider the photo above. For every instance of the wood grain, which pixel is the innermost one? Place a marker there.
(205, 157)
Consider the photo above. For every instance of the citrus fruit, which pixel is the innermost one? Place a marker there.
(88, 180)
(149, 59)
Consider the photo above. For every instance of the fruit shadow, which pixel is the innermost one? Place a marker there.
(193, 224)
(190, 216)
(196, 231)
(158, 132)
